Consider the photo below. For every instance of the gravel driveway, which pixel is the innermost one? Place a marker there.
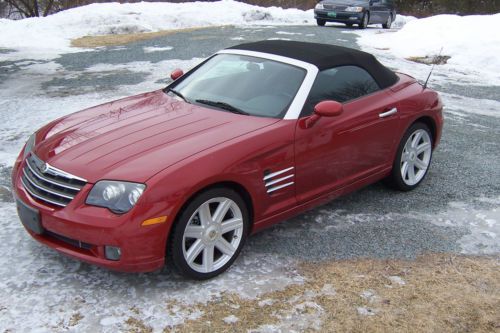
(454, 210)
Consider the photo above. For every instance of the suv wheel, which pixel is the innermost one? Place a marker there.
(388, 23)
(364, 21)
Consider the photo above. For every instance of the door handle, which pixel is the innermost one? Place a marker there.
(388, 113)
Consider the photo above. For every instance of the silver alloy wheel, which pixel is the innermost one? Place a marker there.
(365, 20)
(212, 235)
(416, 157)
(389, 21)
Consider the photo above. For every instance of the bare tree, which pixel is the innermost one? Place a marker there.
(32, 8)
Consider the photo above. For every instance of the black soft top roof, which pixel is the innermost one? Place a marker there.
(324, 56)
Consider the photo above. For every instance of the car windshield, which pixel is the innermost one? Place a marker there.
(242, 84)
(345, 2)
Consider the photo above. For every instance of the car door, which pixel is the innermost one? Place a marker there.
(338, 151)
(378, 11)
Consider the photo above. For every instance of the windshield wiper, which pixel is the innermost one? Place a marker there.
(175, 92)
(223, 105)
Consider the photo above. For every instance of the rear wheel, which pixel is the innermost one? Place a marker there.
(388, 23)
(413, 158)
(364, 21)
(209, 233)
(321, 22)
(348, 25)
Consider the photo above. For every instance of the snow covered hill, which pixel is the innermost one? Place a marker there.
(472, 42)
(49, 36)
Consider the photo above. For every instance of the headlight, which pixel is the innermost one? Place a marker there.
(320, 6)
(29, 145)
(354, 9)
(119, 197)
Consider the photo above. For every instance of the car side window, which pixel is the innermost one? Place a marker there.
(340, 84)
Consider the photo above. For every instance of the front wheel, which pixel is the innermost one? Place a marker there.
(388, 23)
(413, 158)
(321, 22)
(364, 21)
(209, 234)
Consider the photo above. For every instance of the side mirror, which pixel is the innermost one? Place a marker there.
(328, 109)
(323, 109)
(177, 73)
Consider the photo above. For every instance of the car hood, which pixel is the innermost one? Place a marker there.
(135, 138)
(346, 3)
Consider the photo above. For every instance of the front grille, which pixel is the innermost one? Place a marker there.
(334, 7)
(48, 184)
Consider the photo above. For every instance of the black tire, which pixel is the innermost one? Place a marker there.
(396, 179)
(321, 22)
(349, 25)
(175, 250)
(388, 23)
(365, 20)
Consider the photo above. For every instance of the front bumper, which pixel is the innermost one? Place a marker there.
(341, 17)
(82, 232)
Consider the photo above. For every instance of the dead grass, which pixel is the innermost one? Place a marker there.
(137, 326)
(122, 39)
(441, 293)
(75, 319)
(430, 60)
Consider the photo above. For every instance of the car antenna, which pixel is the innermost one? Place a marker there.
(432, 69)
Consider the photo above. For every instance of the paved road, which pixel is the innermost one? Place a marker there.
(455, 209)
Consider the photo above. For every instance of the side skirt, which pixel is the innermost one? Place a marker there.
(268, 222)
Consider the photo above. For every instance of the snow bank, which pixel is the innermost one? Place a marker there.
(401, 21)
(47, 37)
(472, 42)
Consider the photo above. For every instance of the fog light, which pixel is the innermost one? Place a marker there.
(112, 253)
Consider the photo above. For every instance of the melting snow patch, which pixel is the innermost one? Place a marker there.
(288, 33)
(369, 295)
(108, 321)
(152, 49)
(266, 302)
(363, 311)
(276, 38)
(231, 319)
(328, 290)
(397, 280)
(483, 225)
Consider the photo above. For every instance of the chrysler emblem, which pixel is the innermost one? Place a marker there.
(45, 167)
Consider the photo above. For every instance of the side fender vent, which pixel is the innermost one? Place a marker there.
(274, 181)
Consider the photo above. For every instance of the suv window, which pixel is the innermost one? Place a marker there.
(340, 84)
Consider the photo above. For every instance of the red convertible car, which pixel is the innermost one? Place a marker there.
(253, 135)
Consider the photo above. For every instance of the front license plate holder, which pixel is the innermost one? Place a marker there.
(332, 14)
(30, 217)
